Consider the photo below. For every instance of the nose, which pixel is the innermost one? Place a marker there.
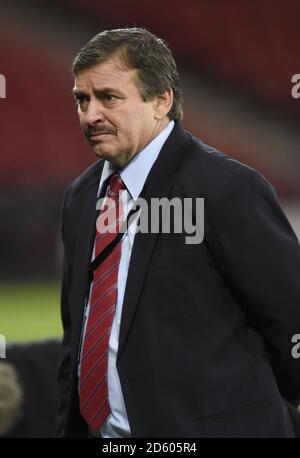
(94, 112)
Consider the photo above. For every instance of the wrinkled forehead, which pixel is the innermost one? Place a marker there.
(110, 73)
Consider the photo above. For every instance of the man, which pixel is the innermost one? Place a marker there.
(11, 397)
(165, 338)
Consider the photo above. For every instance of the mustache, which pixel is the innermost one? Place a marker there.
(97, 130)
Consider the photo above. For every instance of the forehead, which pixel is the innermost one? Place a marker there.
(109, 73)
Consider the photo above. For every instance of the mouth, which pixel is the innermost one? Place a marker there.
(99, 135)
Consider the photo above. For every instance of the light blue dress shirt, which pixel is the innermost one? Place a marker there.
(134, 176)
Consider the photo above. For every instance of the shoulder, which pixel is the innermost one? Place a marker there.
(76, 194)
(213, 173)
(88, 178)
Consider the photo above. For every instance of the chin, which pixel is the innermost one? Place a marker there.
(104, 154)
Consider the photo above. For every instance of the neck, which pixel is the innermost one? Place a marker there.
(120, 163)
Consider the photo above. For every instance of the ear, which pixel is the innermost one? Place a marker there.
(163, 104)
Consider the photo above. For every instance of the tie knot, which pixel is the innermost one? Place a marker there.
(116, 184)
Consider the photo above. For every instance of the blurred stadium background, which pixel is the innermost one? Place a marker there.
(236, 59)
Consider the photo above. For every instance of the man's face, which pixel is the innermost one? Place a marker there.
(112, 114)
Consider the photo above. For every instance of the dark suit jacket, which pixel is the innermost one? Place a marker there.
(205, 338)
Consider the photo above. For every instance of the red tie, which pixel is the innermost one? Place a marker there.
(94, 404)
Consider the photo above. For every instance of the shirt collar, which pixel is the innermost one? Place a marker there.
(136, 171)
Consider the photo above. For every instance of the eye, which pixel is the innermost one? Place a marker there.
(109, 98)
(81, 101)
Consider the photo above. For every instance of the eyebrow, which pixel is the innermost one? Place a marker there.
(105, 90)
(77, 91)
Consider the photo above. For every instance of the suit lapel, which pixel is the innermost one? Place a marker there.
(86, 218)
(157, 185)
